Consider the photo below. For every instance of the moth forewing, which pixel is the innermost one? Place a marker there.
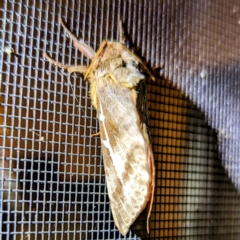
(114, 74)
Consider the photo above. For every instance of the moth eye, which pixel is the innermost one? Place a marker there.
(124, 64)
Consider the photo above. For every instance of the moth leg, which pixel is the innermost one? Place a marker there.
(86, 50)
(95, 134)
(69, 68)
(79, 68)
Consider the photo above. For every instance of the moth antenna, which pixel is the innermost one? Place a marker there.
(86, 50)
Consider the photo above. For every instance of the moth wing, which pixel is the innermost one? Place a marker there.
(126, 153)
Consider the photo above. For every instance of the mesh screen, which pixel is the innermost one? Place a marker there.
(52, 183)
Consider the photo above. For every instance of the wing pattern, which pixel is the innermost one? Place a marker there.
(125, 152)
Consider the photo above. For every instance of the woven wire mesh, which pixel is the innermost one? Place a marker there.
(52, 177)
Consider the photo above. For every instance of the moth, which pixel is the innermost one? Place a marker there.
(115, 74)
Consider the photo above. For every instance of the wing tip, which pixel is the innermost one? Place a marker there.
(123, 231)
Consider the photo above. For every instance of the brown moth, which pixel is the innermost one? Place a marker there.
(114, 74)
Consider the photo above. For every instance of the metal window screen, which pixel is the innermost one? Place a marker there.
(52, 178)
